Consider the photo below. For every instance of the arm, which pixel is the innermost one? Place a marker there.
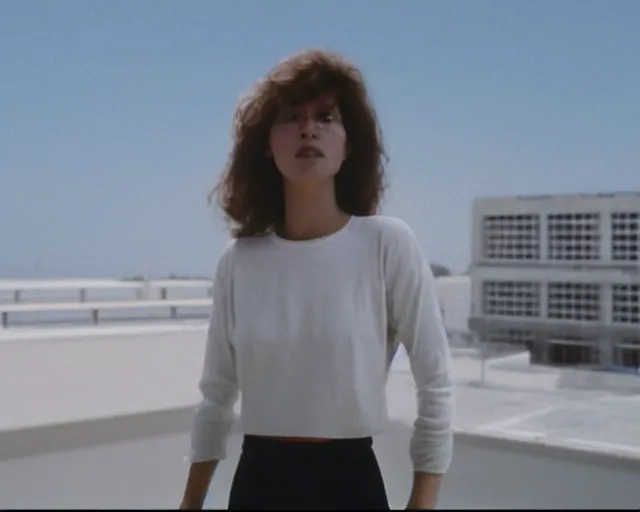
(218, 385)
(198, 480)
(416, 321)
(424, 493)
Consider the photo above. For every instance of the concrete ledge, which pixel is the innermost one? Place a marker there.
(91, 389)
(31, 441)
(551, 449)
(66, 436)
(627, 383)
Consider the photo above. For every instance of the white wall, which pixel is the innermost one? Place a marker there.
(148, 472)
(454, 294)
(102, 421)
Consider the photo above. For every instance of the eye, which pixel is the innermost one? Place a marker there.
(326, 117)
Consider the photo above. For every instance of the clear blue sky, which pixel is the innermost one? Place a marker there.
(115, 116)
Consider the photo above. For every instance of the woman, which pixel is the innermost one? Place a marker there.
(311, 299)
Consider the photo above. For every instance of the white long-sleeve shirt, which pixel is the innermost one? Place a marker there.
(306, 332)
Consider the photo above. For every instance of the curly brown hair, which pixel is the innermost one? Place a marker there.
(250, 190)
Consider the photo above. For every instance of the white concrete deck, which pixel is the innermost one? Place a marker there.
(98, 417)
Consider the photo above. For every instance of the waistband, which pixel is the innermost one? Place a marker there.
(253, 443)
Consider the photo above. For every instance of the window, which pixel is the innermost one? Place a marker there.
(625, 236)
(511, 336)
(511, 237)
(511, 298)
(572, 354)
(626, 303)
(573, 301)
(627, 353)
(573, 236)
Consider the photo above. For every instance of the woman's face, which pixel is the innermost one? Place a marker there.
(308, 142)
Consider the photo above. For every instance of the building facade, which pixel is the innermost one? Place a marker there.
(560, 275)
(454, 296)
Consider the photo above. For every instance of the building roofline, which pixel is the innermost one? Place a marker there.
(542, 197)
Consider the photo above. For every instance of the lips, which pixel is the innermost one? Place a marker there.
(309, 152)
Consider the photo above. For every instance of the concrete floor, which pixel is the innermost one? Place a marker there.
(150, 472)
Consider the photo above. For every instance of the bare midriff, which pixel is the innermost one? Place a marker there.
(297, 439)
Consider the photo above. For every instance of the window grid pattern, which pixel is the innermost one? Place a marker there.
(625, 236)
(573, 301)
(511, 298)
(573, 236)
(511, 237)
(626, 303)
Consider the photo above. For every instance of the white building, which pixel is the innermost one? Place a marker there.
(560, 274)
(454, 295)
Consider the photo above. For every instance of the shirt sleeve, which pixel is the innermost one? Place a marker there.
(415, 320)
(218, 384)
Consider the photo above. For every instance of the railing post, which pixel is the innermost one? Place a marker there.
(94, 313)
(5, 319)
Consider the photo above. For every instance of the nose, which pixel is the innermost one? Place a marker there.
(308, 128)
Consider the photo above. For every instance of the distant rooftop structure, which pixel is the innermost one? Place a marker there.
(559, 275)
(558, 197)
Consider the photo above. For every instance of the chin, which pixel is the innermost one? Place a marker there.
(309, 174)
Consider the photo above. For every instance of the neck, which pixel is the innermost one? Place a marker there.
(311, 212)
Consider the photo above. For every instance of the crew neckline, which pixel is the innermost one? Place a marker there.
(314, 241)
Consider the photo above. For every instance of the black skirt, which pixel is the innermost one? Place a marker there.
(336, 474)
